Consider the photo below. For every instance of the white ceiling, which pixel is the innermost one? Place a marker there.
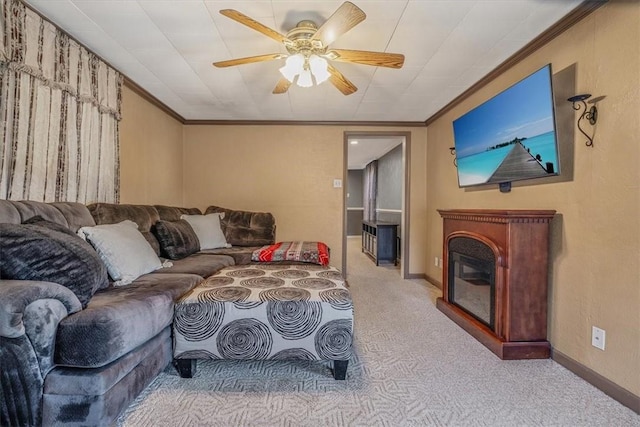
(167, 47)
(363, 150)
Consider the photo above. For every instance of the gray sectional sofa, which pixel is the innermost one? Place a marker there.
(79, 352)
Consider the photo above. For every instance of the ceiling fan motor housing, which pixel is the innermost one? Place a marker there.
(301, 39)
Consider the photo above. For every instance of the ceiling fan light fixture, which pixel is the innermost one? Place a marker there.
(319, 68)
(304, 79)
(308, 50)
(293, 66)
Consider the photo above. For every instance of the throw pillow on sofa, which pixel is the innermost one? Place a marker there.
(208, 230)
(177, 238)
(45, 251)
(123, 249)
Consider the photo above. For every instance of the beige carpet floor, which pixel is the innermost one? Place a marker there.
(413, 367)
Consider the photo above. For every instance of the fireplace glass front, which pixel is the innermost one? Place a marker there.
(472, 286)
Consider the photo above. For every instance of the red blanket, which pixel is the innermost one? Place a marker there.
(312, 252)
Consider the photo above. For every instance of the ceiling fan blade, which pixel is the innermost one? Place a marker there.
(378, 59)
(248, 60)
(347, 16)
(340, 81)
(253, 24)
(282, 86)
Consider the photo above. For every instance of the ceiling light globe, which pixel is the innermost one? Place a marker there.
(319, 67)
(295, 61)
(304, 80)
(292, 67)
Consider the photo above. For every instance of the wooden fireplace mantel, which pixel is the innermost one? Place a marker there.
(520, 242)
(498, 216)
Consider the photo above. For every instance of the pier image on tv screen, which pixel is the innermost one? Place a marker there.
(511, 136)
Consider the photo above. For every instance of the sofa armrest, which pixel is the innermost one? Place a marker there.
(17, 295)
(29, 315)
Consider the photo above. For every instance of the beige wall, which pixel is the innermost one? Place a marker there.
(289, 171)
(150, 153)
(286, 170)
(595, 253)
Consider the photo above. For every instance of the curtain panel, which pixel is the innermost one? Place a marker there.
(370, 190)
(59, 114)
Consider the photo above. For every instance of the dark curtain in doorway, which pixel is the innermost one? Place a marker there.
(370, 190)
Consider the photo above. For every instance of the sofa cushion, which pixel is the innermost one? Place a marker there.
(45, 251)
(29, 209)
(119, 319)
(244, 228)
(123, 250)
(201, 264)
(208, 229)
(173, 213)
(98, 381)
(9, 212)
(143, 215)
(76, 214)
(241, 254)
(177, 238)
(95, 397)
(79, 409)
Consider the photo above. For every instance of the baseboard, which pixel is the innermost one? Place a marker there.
(426, 277)
(608, 387)
(433, 281)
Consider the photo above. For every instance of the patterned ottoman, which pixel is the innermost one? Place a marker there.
(261, 312)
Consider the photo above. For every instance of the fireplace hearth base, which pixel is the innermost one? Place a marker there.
(505, 350)
(519, 241)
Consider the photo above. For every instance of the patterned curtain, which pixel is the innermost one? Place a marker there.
(59, 114)
(370, 190)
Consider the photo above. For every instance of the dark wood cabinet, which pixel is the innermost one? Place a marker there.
(519, 240)
(379, 241)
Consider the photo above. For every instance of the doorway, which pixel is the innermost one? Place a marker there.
(393, 205)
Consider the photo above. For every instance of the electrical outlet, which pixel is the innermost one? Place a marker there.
(435, 261)
(337, 183)
(597, 337)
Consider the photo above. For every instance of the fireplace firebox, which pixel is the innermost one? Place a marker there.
(472, 278)
(495, 278)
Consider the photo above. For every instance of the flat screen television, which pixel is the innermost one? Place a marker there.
(510, 137)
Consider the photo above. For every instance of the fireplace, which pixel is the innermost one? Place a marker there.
(495, 278)
(472, 278)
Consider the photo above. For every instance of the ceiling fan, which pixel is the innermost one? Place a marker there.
(309, 52)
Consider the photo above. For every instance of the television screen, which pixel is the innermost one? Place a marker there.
(511, 136)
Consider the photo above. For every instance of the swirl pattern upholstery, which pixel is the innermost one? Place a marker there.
(266, 312)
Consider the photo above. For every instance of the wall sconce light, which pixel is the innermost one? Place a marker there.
(452, 150)
(590, 114)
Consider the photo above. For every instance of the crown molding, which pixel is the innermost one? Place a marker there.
(302, 123)
(143, 93)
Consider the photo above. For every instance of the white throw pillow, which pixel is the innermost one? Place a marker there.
(207, 228)
(123, 249)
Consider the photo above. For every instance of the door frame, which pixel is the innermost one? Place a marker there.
(405, 221)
